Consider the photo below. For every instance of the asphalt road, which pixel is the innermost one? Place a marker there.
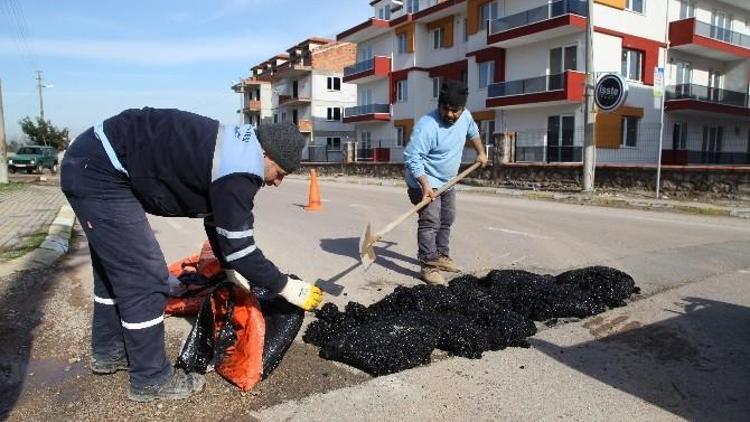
(672, 257)
(660, 250)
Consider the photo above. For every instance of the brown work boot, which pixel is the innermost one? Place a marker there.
(431, 275)
(445, 263)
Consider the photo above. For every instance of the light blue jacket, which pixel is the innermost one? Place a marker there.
(435, 149)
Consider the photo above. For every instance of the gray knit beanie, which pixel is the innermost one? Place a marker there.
(283, 143)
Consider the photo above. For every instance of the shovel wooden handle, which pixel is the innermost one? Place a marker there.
(425, 201)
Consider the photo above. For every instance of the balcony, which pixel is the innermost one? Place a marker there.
(368, 113)
(252, 106)
(368, 70)
(288, 100)
(700, 99)
(562, 88)
(305, 126)
(700, 38)
(293, 70)
(557, 19)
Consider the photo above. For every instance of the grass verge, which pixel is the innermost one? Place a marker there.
(10, 187)
(28, 244)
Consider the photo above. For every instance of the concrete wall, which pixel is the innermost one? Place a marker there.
(649, 25)
(382, 45)
(380, 91)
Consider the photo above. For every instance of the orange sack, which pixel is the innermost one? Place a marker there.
(242, 363)
(244, 336)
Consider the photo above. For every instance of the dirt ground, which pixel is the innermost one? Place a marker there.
(44, 355)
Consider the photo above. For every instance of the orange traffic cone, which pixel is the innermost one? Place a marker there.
(313, 202)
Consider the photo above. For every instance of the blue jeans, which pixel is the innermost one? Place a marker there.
(434, 225)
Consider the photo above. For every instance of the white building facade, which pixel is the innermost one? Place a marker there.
(305, 86)
(524, 60)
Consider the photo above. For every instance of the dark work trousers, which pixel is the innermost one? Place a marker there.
(434, 225)
(130, 275)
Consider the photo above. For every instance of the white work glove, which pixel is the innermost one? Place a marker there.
(302, 294)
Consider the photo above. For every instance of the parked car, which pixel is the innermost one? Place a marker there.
(34, 158)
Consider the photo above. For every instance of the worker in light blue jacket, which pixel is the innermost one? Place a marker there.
(432, 158)
(175, 164)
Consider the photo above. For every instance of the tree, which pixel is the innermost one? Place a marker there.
(42, 132)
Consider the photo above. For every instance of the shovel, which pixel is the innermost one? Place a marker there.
(367, 252)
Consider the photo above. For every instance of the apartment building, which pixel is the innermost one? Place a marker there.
(524, 60)
(305, 86)
(708, 69)
(256, 94)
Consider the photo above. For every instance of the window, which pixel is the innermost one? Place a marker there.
(365, 140)
(561, 138)
(401, 91)
(365, 96)
(486, 74)
(715, 85)
(400, 136)
(466, 30)
(333, 144)
(275, 118)
(334, 83)
(635, 5)
(436, 82)
(679, 136)
(412, 6)
(487, 13)
(283, 116)
(721, 25)
(334, 114)
(437, 38)
(687, 9)
(711, 147)
(364, 52)
(632, 64)
(401, 44)
(384, 13)
(486, 130)
(628, 131)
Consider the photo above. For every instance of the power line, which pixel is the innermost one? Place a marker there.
(18, 25)
(23, 27)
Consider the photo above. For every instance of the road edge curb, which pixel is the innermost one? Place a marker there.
(55, 245)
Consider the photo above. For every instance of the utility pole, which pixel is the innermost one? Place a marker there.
(41, 97)
(3, 146)
(589, 146)
(661, 103)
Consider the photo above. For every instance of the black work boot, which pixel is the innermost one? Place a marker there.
(109, 366)
(180, 385)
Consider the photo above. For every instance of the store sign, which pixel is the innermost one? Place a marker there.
(610, 92)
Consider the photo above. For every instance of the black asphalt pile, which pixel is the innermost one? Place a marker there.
(468, 317)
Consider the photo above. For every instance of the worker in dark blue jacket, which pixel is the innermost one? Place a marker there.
(169, 163)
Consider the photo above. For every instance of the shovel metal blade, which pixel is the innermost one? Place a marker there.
(366, 251)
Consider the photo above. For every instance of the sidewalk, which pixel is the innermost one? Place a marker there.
(35, 226)
(606, 199)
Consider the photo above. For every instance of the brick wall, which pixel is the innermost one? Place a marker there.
(720, 182)
(334, 57)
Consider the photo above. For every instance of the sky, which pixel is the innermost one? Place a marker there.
(102, 57)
